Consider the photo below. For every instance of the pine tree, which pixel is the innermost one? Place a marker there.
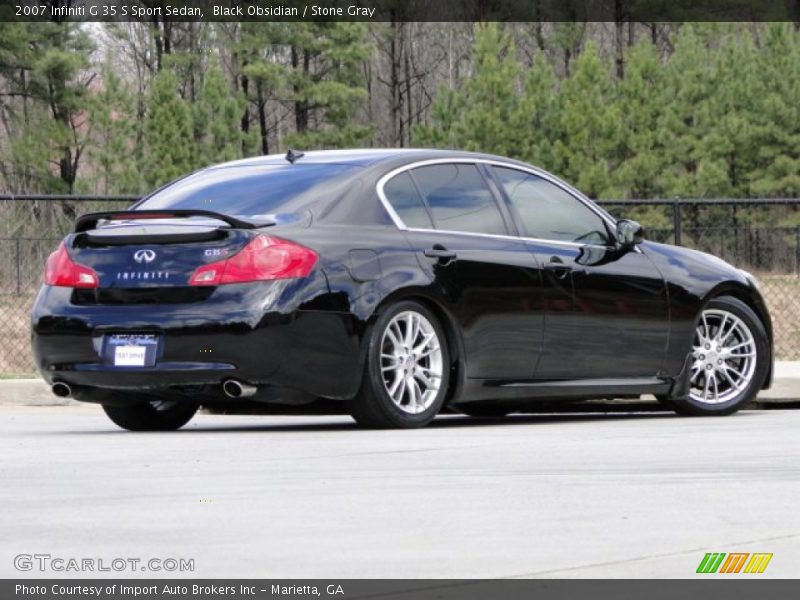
(486, 123)
(218, 113)
(45, 64)
(447, 107)
(688, 118)
(639, 102)
(485, 114)
(777, 138)
(537, 121)
(730, 147)
(170, 150)
(261, 81)
(583, 151)
(324, 82)
(112, 148)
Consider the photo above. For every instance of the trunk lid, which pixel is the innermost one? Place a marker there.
(142, 254)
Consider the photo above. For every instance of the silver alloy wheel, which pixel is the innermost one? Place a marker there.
(411, 362)
(724, 355)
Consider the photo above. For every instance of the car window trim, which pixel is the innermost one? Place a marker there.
(398, 222)
(512, 223)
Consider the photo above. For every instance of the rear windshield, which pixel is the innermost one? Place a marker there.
(250, 191)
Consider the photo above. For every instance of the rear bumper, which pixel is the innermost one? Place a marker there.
(241, 332)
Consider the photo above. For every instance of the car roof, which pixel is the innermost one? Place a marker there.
(361, 157)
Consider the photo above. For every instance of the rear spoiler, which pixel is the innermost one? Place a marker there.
(90, 220)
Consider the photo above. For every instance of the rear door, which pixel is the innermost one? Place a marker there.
(606, 308)
(489, 278)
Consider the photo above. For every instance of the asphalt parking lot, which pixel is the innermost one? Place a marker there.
(626, 495)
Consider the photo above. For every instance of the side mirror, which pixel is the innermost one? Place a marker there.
(629, 233)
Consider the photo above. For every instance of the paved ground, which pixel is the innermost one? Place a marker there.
(541, 496)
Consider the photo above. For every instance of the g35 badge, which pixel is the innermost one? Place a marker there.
(216, 252)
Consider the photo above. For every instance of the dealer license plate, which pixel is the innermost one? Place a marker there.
(131, 350)
(130, 356)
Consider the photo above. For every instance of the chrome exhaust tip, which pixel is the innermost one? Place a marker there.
(237, 389)
(61, 389)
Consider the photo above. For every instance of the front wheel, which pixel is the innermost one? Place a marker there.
(154, 415)
(407, 370)
(730, 360)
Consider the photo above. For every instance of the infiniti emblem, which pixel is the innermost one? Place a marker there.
(144, 256)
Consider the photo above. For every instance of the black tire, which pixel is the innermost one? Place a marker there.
(373, 407)
(483, 409)
(152, 416)
(689, 406)
(665, 401)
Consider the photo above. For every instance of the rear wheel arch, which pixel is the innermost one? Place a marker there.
(455, 342)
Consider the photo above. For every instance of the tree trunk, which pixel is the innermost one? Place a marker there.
(245, 122)
(159, 43)
(394, 85)
(409, 113)
(619, 38)
(300, 104)
(262, 118)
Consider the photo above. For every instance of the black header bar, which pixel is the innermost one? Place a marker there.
(400, 10)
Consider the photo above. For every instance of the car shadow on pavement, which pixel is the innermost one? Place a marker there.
(442, 422)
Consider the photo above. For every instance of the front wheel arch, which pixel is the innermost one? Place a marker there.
(683, 403)
(755, 302)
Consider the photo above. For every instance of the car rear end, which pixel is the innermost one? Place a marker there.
(166, 301)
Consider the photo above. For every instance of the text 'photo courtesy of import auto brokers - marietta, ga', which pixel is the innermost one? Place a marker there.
(160, 591)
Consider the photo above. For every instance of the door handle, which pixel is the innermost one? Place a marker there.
(441, 253)
(559, 269)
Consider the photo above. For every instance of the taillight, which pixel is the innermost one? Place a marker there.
(62, 271)
(262, 259)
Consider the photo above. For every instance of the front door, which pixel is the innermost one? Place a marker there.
(606, 311)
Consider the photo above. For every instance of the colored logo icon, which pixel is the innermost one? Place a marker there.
(734, 562)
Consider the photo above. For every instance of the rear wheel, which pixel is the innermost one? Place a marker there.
(407, 370)
(154, 415)
(730, 359)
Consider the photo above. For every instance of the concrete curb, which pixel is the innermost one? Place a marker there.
(785, 383)
(35, 392)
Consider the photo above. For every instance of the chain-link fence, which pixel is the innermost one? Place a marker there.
(30, 229)
(751, 234)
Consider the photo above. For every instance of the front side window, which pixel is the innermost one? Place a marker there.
(549, 212)
(459, 198)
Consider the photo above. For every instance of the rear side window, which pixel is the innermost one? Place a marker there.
(459, 199)
(402, 194)
(251, 190)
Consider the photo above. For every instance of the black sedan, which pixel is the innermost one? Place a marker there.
(396, 281)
